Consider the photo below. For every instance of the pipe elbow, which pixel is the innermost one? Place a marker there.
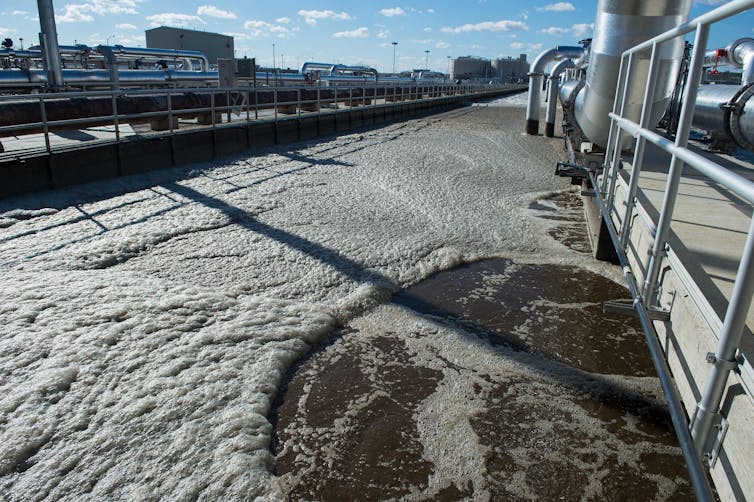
(747, 75)
(554, 54)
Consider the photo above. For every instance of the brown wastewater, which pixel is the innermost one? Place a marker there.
(497, 380)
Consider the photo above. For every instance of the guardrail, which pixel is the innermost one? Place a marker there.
(213, 106)
(694, 439)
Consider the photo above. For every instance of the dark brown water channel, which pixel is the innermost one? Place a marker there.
(494, 381)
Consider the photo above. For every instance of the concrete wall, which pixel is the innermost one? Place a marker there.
(134, 156)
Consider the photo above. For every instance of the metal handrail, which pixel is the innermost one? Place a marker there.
(729, 339)
(341, 93)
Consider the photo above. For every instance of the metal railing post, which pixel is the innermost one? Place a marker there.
(618, 141)
(256, 104)
(298, 106)
(614, 131)
(724, 359)
(676, 167)
(212, 108)
(170, 111)
(115, 117)
(646, 112)
(45, 127)
(275, 102)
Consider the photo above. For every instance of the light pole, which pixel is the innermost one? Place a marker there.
(22, 42)
(107, 40)
(426, 63)
(448, 66)
(395, 44)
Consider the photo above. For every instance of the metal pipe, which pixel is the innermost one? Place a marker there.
(552, 98)
(620, 25)
(49, 39)
(727, 111)
(740, 54)
(536, 74)
(119, 50)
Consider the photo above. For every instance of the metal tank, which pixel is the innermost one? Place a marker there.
(621, 24)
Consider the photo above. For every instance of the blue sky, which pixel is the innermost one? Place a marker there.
(341, 31)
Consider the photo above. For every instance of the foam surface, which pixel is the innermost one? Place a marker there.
(147, 321)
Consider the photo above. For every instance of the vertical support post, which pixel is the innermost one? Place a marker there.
(227, 106)
(646, 112)
(49, 40)
(618, 140)
(614, 130)
(725, 355)
(212, 108)
(298, 106)
(170, 111)
(114, 103)
(275, 101)
(45, 127)
(676, 167)
(256, 103)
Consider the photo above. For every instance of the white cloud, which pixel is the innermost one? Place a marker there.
(126, 26)
(583, 29)
(312, 16)
(427, 30)
(283, 20)
(383, 33)
(392, 12)
(430, 11)
(174, 19)
(73, 13)
(487, 26)
(554, 31)
(5, 32)
(526, 47)
(258, 28)
(442, 45)
(212, 11)
(577, 30)
(19, 13)
(362, 32)
(558, 7)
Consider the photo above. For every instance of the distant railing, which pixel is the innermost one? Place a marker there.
(211, 107)
(694, 439)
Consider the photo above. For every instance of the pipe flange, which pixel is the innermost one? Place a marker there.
(731, 113)
(572, 97)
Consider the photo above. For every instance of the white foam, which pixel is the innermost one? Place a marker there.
(145, 333)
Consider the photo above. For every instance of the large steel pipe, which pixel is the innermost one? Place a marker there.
(552, 97)
(536, 77)
(726, 111)
(49, 40)
(619, 25)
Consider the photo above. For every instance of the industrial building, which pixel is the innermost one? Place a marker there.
(505, 70)
(214, 45)
(510, 70)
